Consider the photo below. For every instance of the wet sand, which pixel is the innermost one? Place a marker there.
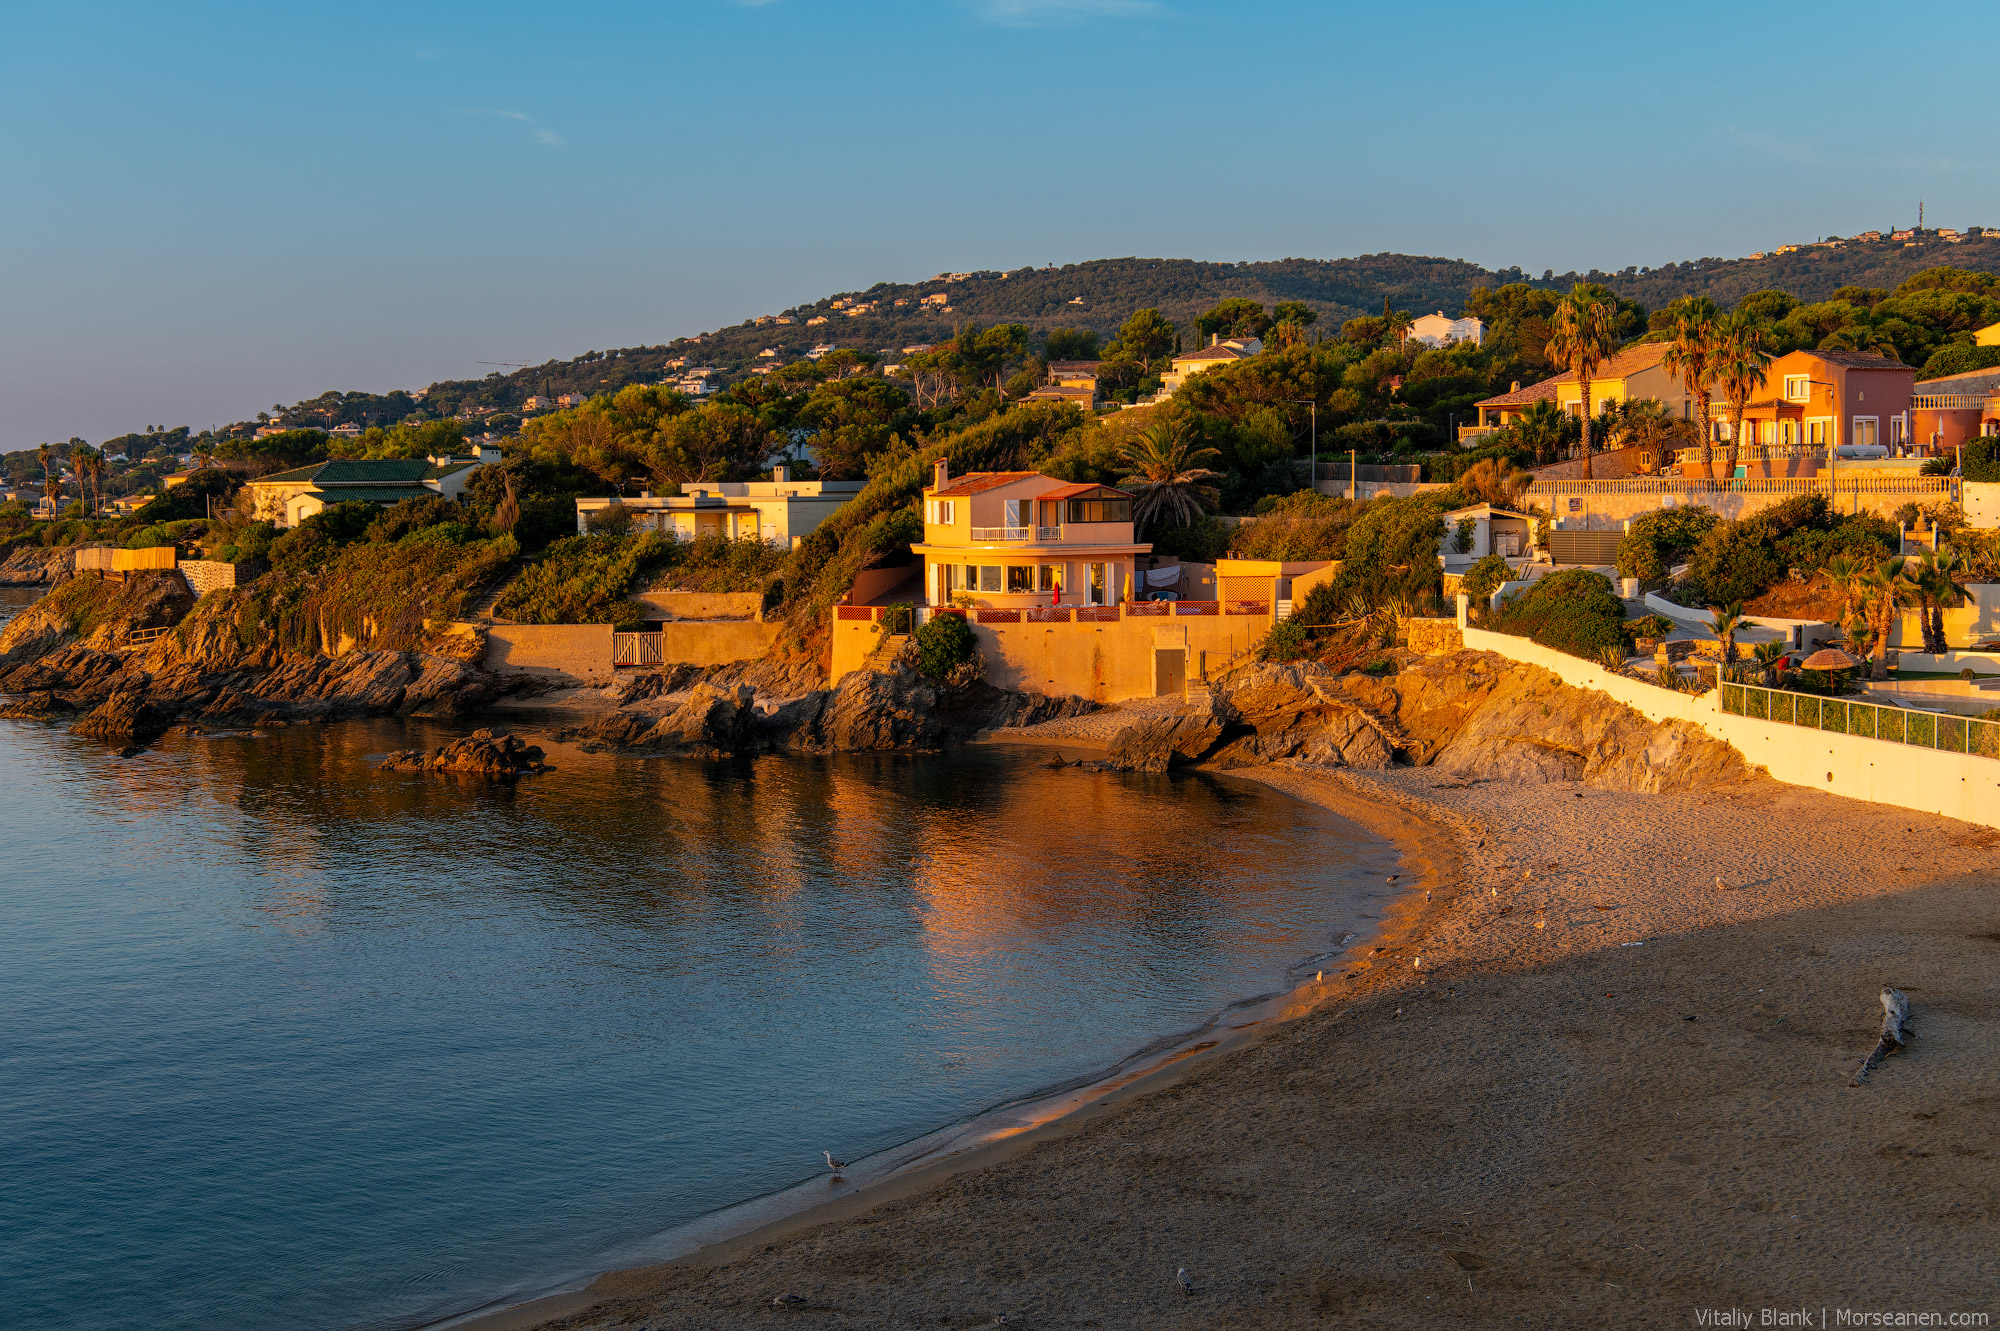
(1580, 1084)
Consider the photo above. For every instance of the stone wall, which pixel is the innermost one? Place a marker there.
(1434, 637)
(207, 575)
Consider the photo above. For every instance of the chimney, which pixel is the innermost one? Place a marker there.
(1516, 388)
(780, 473)
(940, 474)
(1213, 338)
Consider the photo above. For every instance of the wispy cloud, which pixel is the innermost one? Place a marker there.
(541, 132)
(1045, 13)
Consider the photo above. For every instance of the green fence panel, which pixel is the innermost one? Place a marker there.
(1832, 715)
(1923, 729)
(1984, 739)
(1733, 699)
(1757, 703)
(1895, 725)
(1951, 734)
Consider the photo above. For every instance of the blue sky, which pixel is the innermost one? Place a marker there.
(210, 208)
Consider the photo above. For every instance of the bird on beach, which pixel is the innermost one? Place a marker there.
(1187, 1285)
(835, 1165)
(1394, 876)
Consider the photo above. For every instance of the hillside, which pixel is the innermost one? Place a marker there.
(1100, 294)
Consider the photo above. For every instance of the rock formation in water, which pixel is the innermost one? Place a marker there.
(488, 753)
(37, 566)
(727, 712)
(1471, 713)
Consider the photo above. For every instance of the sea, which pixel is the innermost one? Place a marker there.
(290, 1041)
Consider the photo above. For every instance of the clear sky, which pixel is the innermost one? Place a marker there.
(209, 208)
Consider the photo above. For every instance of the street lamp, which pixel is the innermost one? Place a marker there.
(1313, 476)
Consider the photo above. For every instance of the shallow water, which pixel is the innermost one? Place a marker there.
(292, 1042)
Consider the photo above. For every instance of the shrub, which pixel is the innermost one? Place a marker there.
(1392, 552)
(1573, 611)
(1202, 541)
(399, 520)
(1659, 540)
(1379, 667)
(614, 519)
(1735, 562)
(896, 618)
(944, 643)
(1484, 578)
(1297, 528)
(586, 580)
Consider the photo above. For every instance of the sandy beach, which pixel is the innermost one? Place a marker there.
(1595, 1073)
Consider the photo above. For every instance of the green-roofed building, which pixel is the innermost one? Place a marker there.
(288, 498)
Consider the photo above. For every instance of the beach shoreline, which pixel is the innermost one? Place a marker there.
(1585, 1082)
(1427, 855)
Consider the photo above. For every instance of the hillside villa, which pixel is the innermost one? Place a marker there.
(1002, 539)
(287, 498)
(1435, 330)
(778, 512)
(1219, 351)
(1813, 400)
(1630, 374)
(1069, 381)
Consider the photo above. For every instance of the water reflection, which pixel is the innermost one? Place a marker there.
(299, 1042)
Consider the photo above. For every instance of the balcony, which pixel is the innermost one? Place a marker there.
(1040, 535)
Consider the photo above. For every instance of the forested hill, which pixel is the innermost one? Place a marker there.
(1102, 293)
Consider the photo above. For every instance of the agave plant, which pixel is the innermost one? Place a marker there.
(1169, 481)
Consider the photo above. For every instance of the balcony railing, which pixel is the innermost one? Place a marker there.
(983, 535)
(1951, 401)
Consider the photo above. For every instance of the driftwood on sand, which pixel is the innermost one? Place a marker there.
(1895, 1011)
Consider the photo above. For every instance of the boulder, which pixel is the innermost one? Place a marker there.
(712, 719)
(488, 753)
(128, 716)
(876, 710)
(1186, 736)
(38, 707)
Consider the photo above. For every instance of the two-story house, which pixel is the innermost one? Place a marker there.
(1002, 539)
(1219, 351)
(1436, 330)
(779, 512)
(1813, 400)
(1625, 376)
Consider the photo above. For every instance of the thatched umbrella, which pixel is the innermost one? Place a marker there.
(1829, 658)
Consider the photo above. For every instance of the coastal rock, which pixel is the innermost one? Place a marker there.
(36, 566)
(488, 753)
(1184, 737)
(875, 710)
(128, 716)
(38, 707)
(712, 719)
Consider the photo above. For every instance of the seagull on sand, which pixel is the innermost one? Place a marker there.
(835, 1165)
(1187, 1285)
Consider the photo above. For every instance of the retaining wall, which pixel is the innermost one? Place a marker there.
(580, 653)
(704, 605)
(1956, 785)
(206, 575)
(715, 642)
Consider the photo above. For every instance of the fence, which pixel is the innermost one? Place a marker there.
(1865, 720)
(1778, 485)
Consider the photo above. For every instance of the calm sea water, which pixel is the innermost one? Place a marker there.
(288, 1041)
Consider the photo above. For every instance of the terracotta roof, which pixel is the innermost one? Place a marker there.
(976, 482)
(1073, 491)
(1545, 391)
(1074, 366)
(1218, 352)
(1064, 393)
(1965, 381)
(1859, 360)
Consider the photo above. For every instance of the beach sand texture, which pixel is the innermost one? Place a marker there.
(1613, 1094)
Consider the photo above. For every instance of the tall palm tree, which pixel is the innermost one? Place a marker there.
(1844, 572)
(1580, 340)
(79, 465)
(1738, 364)
(1542, 429)
(97, 480)
(1941, 592)
(1888, 591)
(1728, 620)
(1398, 324)
(1168, 478)
(48, 457)
(1689, 359)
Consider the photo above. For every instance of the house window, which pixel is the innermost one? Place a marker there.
(1816, 432)
(1020, 577)
(1099, 581)
(1864, 430)
(989, 577)
(1788, 433)
(941, 511)
(1798, 387)
(1050, 577)
(1897, 434)
(1100, 510)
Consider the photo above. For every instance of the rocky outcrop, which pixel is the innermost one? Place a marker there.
(1470, 714)
(36, 566)
(85, 648)
(489, 753)
(1268, 714)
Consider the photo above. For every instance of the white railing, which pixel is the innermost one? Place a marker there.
(1846, 482)
(1047, 534)
(1949, 401)
(1002, 533)
(1896, 725)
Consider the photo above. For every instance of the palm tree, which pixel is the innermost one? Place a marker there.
(1738, 366)
(1728, 619)
(97, 480)
(1941, 592)
(1766, 655)
(79, 465)
(48, 457)
(1888, 591)
(1689, 356)
(1168, 478)
(1543, 429)
(1398, 323)
(1579, 341)
(1844, 572)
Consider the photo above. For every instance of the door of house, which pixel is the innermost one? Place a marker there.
(1864, 430)
(1169, 671)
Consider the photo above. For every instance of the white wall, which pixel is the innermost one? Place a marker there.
(1956, 785)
